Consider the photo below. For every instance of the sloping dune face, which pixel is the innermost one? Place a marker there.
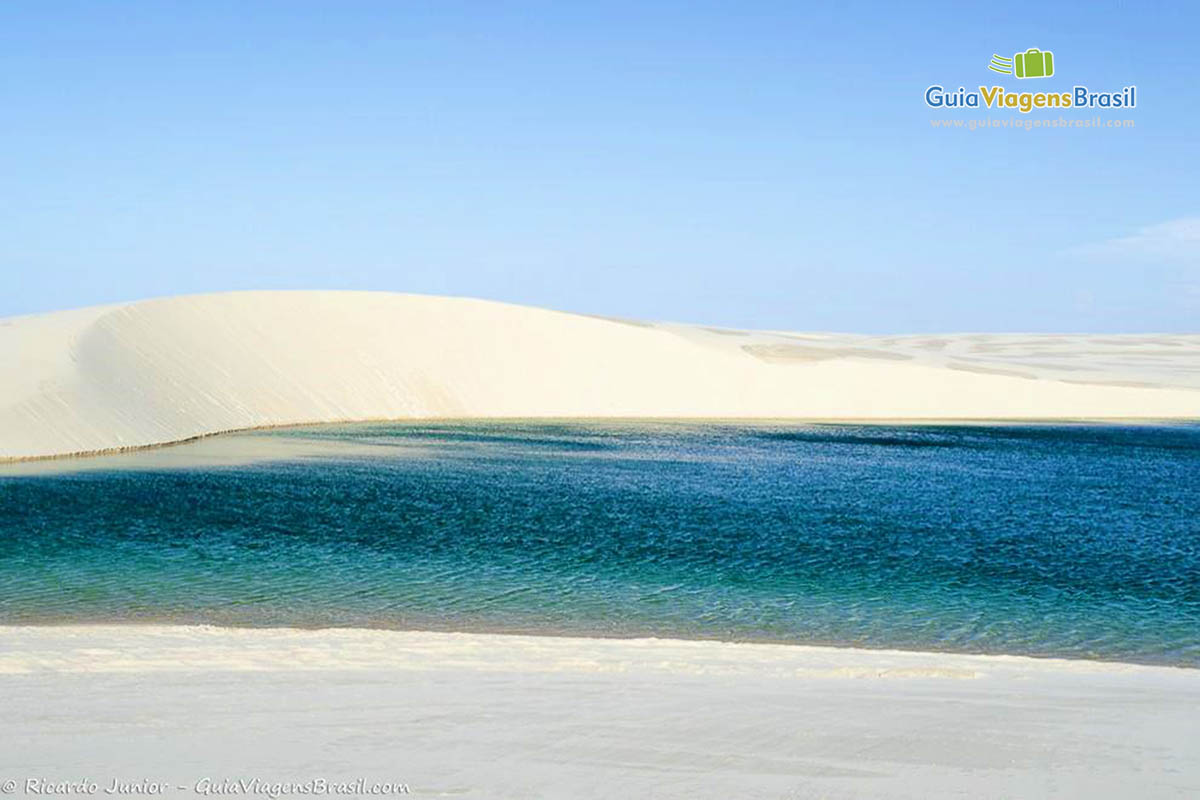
(164, 370)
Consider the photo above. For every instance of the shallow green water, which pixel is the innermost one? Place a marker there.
(1079, 541)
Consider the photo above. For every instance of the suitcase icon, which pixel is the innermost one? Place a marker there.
(1034, 63)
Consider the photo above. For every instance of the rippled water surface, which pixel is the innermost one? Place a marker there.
(1079, 541)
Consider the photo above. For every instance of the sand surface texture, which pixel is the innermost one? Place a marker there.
(165, 370)
(487, 716)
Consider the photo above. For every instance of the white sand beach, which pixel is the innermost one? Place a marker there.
(489, 716)
(166, 370)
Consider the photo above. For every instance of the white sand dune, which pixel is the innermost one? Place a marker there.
(486, 716)
(165, 370)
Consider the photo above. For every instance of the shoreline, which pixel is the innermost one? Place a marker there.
(613, 647)
(637, 642)
(764, 421)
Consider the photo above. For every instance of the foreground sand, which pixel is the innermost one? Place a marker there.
(483, 716)
(166, 370)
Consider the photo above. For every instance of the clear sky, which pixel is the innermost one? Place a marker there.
(752, 164)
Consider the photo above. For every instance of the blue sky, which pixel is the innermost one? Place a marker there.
(748, 164)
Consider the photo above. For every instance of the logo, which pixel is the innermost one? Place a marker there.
(1033, 63)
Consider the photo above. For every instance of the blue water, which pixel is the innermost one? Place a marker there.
(1078, 541)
